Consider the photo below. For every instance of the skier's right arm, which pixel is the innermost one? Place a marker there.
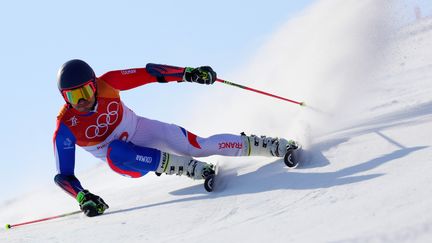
(64, 149)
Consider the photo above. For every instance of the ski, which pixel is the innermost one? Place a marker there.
(209, 182)
(292, 157)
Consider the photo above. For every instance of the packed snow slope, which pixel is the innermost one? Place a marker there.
(367, 132)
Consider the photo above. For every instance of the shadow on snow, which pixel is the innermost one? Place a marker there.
(275, 176)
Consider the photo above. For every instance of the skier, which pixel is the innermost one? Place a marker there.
(95, 118)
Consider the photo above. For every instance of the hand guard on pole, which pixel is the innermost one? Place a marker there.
(92, 205)
(202, 75)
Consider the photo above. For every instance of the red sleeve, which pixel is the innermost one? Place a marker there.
(131, 78)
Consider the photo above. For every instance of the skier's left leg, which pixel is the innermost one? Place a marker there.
(175, 139)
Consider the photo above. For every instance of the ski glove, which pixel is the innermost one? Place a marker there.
(202, 75)
(90, 204)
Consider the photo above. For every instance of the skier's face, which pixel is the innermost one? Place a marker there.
(83, 98)
(85, 105)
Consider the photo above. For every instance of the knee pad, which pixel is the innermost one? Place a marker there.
(130, 160)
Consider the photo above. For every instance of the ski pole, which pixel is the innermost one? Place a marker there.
(260, 92)
(9, 226)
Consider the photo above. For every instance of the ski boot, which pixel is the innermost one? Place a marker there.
(272, 147)
(179, 165)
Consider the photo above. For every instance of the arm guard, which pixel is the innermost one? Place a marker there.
(69, 183)
(132, 78)
(165, 73)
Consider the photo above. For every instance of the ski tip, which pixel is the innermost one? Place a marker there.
(8, 226)
(291, 159)
(209, 183)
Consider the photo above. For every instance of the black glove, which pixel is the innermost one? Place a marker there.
(90, 204)
(202, 75)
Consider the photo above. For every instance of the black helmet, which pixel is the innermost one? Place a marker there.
(74, 74)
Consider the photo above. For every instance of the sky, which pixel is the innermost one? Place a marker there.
(39, 36)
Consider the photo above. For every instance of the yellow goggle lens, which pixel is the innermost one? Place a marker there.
(73, 96)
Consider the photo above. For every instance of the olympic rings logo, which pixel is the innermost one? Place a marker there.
(104, 121)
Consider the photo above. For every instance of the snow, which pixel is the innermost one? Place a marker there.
(367, 135)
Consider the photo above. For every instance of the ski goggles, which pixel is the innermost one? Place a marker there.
(73, 96)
